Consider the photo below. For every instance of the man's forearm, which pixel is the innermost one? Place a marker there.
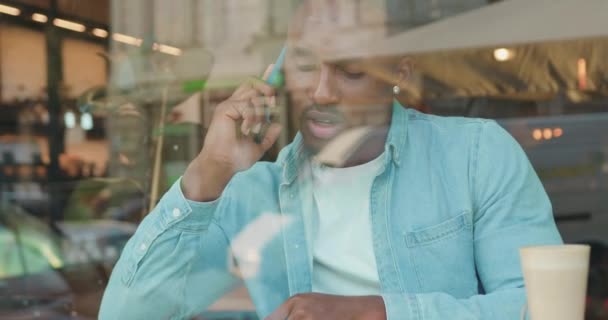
(325, 306)
(205, 179)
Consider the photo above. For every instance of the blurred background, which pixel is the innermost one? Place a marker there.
(104, 103)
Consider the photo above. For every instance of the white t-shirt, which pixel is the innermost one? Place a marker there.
(343, 253)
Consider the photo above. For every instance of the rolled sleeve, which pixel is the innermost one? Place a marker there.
(149, 279)
(187, 214)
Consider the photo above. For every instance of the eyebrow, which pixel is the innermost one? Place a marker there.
(302, 52)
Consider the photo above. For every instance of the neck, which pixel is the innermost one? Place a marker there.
(372, 145)
(370, 148)
(350, 150)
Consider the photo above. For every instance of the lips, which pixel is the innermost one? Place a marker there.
(324, 125)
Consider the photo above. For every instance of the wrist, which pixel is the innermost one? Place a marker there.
(374, 308)
(205, 179)
(371, 308)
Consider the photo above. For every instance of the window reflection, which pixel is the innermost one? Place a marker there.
(105, 105)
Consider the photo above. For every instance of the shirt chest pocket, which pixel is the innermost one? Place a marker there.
(443, 256)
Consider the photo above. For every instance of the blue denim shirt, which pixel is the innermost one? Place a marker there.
(455, 200)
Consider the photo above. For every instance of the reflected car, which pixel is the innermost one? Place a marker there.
(55, 273)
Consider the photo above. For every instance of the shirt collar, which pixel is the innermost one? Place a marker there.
(397, 134)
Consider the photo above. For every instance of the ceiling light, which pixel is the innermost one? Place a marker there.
(70, 25)
(537, 134)
(169, 50)
(9, 10)
(69, 119)
(558, 132)
(582, 73)
(126, 39)
(100, 33)
(39, 17)
(503, 54)
(547, 134)
(86, 121)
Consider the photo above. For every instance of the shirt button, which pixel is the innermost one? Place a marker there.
(143, 247)
(291, 195)
(297, 246)
(177, 212)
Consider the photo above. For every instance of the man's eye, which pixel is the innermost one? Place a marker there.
(306, 67)
(352, 73)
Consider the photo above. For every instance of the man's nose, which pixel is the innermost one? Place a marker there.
(326, 92)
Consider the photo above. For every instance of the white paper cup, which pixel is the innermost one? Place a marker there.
(556, 281)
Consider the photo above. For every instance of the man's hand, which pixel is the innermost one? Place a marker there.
(229, 145)
(317, 306)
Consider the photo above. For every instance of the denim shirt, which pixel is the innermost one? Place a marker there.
(455, 200)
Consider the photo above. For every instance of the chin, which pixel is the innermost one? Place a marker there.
(313, 145)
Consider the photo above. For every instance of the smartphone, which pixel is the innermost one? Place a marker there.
(275, 79)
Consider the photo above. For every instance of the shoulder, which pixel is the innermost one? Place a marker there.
(417, 118)
(449, 132)
(471, 142)
(471, 131)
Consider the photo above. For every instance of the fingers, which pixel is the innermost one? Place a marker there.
(248, 117)
(272, 134)
(252, 120)
(248, 106)
(262, 87)
(252, 109)
(258, 111)
(257, 83)
(241, 111)
(258, 104)
(253, 84)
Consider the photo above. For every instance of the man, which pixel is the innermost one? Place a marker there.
(421, 221)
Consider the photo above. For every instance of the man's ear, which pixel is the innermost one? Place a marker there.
(404, 71)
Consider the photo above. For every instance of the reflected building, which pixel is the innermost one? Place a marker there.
(222, 43)
(407, 14)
